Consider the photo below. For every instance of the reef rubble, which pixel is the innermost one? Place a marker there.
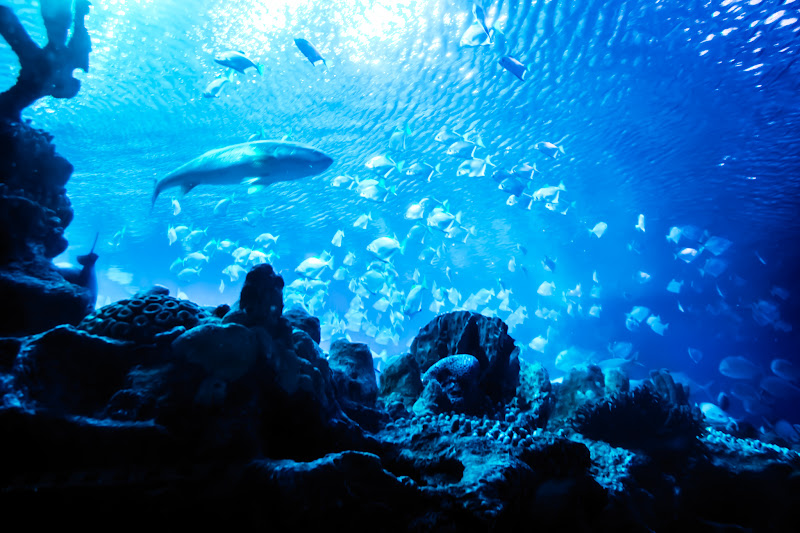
(240, 415)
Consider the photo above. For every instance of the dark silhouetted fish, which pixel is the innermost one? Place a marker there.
(310, 51)
(253, 163)
(237, 60)
(514, 67)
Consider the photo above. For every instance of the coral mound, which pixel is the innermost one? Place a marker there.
(142, 317)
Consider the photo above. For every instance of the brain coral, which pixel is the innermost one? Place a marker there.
(142, 317)
(460, 367)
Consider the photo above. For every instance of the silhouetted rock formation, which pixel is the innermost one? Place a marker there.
(34, 208)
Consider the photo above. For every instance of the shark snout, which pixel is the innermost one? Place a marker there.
(321, 161)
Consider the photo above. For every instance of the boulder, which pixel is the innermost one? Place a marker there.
(71, 371)
(306, 348)
(353, 372)
(261, 300)
(400, 380)
(225, 351)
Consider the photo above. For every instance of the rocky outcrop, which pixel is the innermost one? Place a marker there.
(400, 380)
(261, 300)
(298, 318)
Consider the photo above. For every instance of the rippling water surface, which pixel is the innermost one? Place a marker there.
(686, 112)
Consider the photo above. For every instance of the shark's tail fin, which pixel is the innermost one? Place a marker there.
(91, 258)
(96, 236)
(156, 192)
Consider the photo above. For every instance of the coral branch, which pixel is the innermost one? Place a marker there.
(15, 35)
(45, 71)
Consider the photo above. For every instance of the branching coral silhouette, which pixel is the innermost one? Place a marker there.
(46, 71)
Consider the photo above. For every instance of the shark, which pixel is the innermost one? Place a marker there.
(252, 163)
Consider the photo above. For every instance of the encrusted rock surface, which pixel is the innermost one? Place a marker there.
(353, 371)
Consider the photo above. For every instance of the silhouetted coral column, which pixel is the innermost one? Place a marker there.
(34, 207)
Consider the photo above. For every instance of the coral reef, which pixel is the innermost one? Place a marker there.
(241, 413)
(164, 413)
(457, 378)
(34, 207)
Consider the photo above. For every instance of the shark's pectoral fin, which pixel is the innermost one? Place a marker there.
(262, 181)
(186, 187)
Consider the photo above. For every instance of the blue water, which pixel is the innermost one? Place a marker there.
(685, 112)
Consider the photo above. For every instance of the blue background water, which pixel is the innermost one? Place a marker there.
(686, 112)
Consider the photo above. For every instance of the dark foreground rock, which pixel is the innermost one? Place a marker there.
(244, 419)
